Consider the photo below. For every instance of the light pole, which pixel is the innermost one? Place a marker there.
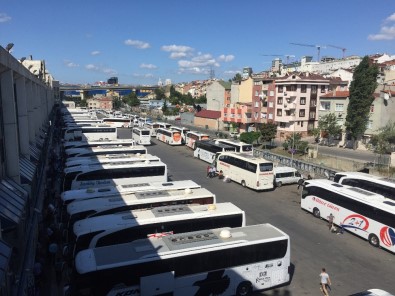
(293, 143)
(219, 107)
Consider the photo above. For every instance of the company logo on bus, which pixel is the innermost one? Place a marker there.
(387, 236)
(356, 222)
(176, 137)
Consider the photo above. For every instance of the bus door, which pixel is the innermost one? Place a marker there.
(157, 284)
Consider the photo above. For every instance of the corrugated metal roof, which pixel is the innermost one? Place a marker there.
(13, 199)
(34, 153)
(27, 169)
(5, 255)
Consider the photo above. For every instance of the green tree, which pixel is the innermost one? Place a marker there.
(237, 78)
(384, 141)
(116, 103)
(328, 124)
(268, 131)
(160, 94)
(165, 108)
(250, 137)
(131, 99)
(361, 98)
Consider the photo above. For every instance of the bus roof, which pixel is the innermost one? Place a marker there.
(150, 196)
(356, 193)
(75, 144)
(95, 167)
(103, 148)
(119, 190)
(135, 218)
(215, 143)
(366, 176)
(110, 158)
(168, 246)
(246, 156)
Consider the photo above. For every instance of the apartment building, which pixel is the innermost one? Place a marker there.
(263, 94)
(297, 97)
(218, 94)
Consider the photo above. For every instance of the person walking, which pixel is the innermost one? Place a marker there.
(208, 171)
(325, 282)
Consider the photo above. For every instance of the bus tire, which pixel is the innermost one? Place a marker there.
(279, 184)
(374, 240)
(243, 183)
(244, 289)
(316, 213)
(198, 156)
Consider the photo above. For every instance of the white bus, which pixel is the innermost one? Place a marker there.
(125, 227)
(119, 190)
(142, 136)
(252, 172)
(105, 149)
(379, 185)
(118, 121)
(222, 261)
(97, 175)
(81, 209)
(143, 121)
(240, 146)
(191, 137)
(363, 213)
(90, 133)
(168, 136)
(110, 158)
(164, 125)
(182, 130)
(152, 126)
(207, 150)
(87, 144)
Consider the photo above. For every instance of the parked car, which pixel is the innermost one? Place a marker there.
(373, 292)
(234, 135)
(286, 175)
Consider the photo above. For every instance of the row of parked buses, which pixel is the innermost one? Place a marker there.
(129, 230)
(360, 203)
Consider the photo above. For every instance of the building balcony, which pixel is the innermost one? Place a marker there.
(289, 106)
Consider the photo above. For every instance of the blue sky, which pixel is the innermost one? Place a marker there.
(140, 41)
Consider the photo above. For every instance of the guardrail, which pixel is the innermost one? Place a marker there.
(314, 170)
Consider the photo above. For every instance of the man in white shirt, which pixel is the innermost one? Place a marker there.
(325, 282)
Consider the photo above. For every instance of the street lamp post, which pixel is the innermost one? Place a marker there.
(219, 107)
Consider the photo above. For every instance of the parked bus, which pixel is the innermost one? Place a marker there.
(379, 185)
(142, 136)
(78, 210)
(226, 261)
(208, 150)
(252, 172)
(363, 213)
(87, 144)
(168, 136)
(164, 125)
(110, 158)
(240, 146)
(118, 121)
(152, 126)
(191, 137)
(143, 121)
(119, 190)
(103, 150)
(96, 175)
(90, 133)
(125, 227)
(182, 130)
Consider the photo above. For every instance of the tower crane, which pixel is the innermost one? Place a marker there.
(311, 45)
(339, 47)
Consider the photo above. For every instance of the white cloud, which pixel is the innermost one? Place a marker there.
(4, 17)
(177, 55)
(176, 48)
(148, 66)
(387, 32)
(231, 73)
(226, 58)
(137, 43)
(100, 69)
(149, 75)
(95, 52)
(71, 64)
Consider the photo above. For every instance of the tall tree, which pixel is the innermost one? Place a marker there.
(268, 131)
(361, 98)
(329, 126)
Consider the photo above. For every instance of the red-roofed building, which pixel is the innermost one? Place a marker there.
(208, 119)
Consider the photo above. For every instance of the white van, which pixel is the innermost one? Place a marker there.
(286, 175)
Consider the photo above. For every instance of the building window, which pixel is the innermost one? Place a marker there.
(371, 108)
(283, 124)
(312, 115)
(313, 103)
(322, 89)
(314, 89)
(325, 106)
(280, 89)
(279, 112)
(270, 115)
(263, 115)
(271, 93)
(256, 93)
(303, 88)
(291, 87)
(270, 104)
(302, 113)
(302, 101)
(256, 104)
(339, 107)
(369, 124)
(279, 100)
(301, 124)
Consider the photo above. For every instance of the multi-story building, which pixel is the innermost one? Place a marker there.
(100, 103)
(238, 115)
(218, 94)
(297, 97)
(263, 91)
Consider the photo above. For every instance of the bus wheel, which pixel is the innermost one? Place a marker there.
(198, 156)
(244, 289)
(316, 213)
(374, 241)
(279, 184)
(243, 183)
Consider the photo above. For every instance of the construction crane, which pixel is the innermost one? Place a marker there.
(339, 47)
(311, 45)
(288, 56)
